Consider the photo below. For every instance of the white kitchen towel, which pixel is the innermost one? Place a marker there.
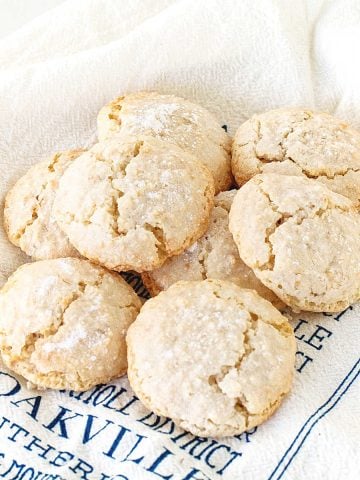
(235, 57)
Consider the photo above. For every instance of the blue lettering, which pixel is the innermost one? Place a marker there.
(25, 476)
(136, 460)
(158, 462)
(123, 409)
(34, 403)
(298, 327)
(211, 453)
(194, 442)
(109, 403)
(116, 442)
(169, 430)
(233, 455)
(180, 436)
(192, 473)
(13, 465)
(316, 337)
(16, 388)
(88, 428)
(208, 447)
(247, 435)
(92, 394)
(84, 468)
(60, 420)
(98, 399)
(36, 442)
(18, 429)
(3, 421)
(156, 418)
(62, 458)
(304, 360)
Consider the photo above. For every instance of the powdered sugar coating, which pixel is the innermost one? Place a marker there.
(214, 255)
(215, 358)
(69, 329)
(301, 239)
(129, 204)
(28, 214)
(176, 120)
(295, 141)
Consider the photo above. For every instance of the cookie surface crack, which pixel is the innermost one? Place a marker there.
(342, 173)
(292, 129)
(35, 209)
(54, 161)
(47, 333)
(215, 380)
(31, 221)
(299, 216)
(39, 201)
(203, 255)
(160, 239)
(286, 157)
(32, 339)
(113, 207)
(117, 106)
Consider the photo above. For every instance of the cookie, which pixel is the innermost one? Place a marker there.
(28, 216)
(301, 240)
(215, 358)
(296, 141)
(174, 119)
(214, 255)
(63, 323)
(130, 204)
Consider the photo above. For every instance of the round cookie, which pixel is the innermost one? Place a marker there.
(214, 255)
(296, 141)
(63, 323)
(227, 357)
(301, 239)
(28, 215)
(176, 120)
(130, 204)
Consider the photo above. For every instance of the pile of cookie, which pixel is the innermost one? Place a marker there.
(159, 195)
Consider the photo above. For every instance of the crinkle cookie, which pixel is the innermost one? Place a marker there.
(301, 239)
(215, 358)
(214, 255)
(63, 323)
(295, 141)
(174, 119)
(28, 214)
(131, 204)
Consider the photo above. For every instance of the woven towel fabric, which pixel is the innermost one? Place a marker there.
(235, 58)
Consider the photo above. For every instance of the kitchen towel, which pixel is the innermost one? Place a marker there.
(235, 57)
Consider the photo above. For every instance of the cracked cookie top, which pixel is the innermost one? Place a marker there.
(226, 353)
(214, 255)
(176, 120)
(28, 214)
(295, 141)
(68, 331)
(301, 239)
(130, 204)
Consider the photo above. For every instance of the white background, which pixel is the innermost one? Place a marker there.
(15, 13)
